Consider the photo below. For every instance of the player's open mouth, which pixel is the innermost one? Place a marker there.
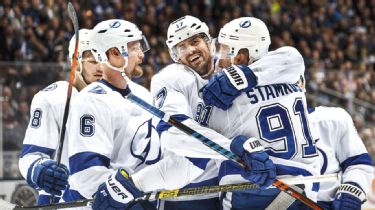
(195, 59)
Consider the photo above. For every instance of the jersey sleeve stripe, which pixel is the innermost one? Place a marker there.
(362, 159)
(85, 160)
(290, 170)
(229, 167)
(29, 148)
(199, 162)
(71, 195)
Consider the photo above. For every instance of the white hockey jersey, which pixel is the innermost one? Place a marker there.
(274, 113)
(342, 150)
(43, 133)
(107, 132)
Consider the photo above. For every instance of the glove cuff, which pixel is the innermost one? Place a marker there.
(353, 190)
(236, 77)
(33, 174)
(117, 190)
(240, 77)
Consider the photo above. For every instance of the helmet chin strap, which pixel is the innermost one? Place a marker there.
(121, 69)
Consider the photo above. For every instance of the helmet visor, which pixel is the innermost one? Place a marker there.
(188, 45)
(138, 46)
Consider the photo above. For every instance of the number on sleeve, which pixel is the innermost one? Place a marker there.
(203, 114)
(36, 118)
(87, 127)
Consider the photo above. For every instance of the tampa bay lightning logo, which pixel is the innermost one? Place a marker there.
(97, 90)
(115, 24)
(50, 87)
(245, 24)
(145, 145)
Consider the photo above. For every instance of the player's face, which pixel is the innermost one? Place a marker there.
(195, 53)
(136, 56)
(92, 71)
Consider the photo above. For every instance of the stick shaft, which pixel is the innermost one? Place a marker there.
(73, 16)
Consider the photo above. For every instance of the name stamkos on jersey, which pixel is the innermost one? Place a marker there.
(267, 92)
(236, 77)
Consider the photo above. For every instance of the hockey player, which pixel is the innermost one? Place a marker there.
(342, 151)
(110, 137)
(41, 139)
(279, 110)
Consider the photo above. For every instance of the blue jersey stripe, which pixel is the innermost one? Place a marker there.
(228, 167)
(163, 126)
(290, 170)
(30, 148)
(362, 159)
(199, 162)
(71, 195)
(85, 160)
(294, 171)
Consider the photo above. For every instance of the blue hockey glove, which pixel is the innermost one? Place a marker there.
(224, 87)
(349, 196)
(117, 192)
(261, 170)
(47, 175)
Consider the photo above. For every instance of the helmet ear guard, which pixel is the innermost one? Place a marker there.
(182, 29)
(246, 33)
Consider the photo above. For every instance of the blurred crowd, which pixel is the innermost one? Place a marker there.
(336, 38)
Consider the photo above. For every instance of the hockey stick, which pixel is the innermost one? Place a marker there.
(283, 200)
(169, 119)
(4, 205)
(73, 17)
(165, 194)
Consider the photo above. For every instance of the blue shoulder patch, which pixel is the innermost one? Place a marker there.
(50, 87)
(97, 90)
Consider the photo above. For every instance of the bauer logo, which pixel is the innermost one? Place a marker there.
(245, 24)
(115, 24)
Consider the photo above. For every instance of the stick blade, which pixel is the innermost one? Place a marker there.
(73, 17)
